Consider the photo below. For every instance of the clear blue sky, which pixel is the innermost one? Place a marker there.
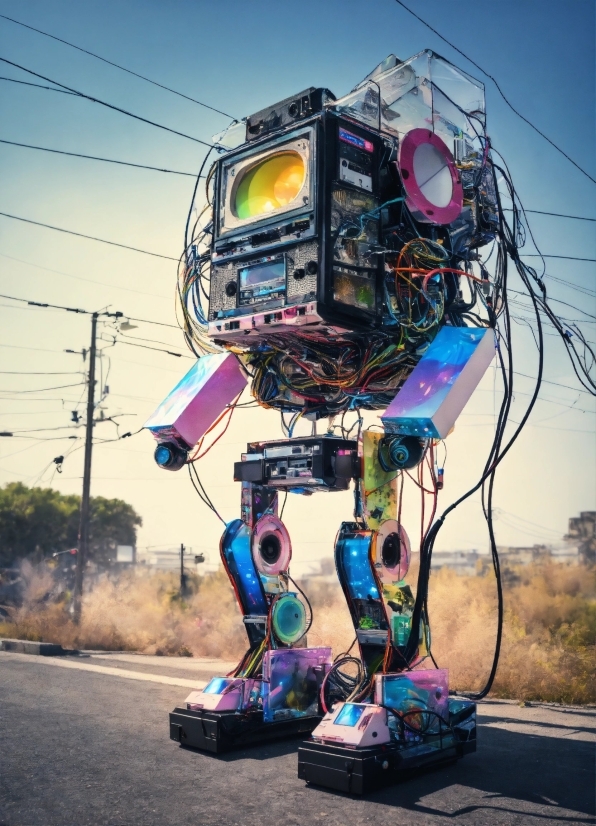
(240, 57)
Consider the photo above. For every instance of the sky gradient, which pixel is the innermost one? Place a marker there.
(240, 57)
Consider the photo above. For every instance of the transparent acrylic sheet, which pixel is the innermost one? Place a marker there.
(291, 681)
(416, 691)
(415, 94)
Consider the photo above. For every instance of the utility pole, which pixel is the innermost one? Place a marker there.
(83, 544)
(182, 574)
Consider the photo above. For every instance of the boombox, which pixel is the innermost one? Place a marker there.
(296, 225)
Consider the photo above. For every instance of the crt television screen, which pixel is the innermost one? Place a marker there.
(262, 279)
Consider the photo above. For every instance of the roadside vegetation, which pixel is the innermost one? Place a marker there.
(548, 648)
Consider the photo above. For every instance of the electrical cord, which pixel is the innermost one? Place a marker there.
(88, 237)
(104, 103)
(500, 91)
(95, 157)
(116, 65)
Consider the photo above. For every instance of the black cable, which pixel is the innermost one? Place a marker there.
(108, 105)
(88, 237)
(43, 389)
(484, 72)
(204, 496)
(116, 65)
(566, 257)
(38, 86)
(284, 504)
(75, 310)
(553, 214)
(156, 349)
(95, 158)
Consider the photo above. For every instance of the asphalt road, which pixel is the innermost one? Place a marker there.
(85, 742)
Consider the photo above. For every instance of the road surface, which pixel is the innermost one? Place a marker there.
(84, 742)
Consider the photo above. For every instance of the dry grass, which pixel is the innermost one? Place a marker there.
(548, 643)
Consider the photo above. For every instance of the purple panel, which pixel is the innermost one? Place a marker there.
(199, 398)
(292, 679)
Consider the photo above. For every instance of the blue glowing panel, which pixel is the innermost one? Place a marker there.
(437, 390)
(217, 685)
(353, 555)
(349, 715)
(237, 557)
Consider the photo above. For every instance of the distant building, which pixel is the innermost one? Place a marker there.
(582, 532)
(465, 563)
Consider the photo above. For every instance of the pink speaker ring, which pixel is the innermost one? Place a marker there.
(392, 552)
(271, 546)
(434, 194)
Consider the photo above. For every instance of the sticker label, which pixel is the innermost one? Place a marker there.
(355, 140)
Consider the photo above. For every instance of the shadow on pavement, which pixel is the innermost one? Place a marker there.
(555, 776)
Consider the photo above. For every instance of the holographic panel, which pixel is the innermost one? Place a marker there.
(411, 693)
(349, 715)
(271, 184)
(237, 557)
(199, 398)
(438, 388)
(352, 552)
(217, 685)
(292, 680)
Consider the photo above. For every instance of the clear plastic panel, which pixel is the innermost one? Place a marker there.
(423, 92)
(293, 678)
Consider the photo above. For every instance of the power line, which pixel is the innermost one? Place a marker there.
(566, 257)
(117, 66)
(37, 86)
(500, 91)
(73, 310)
(88, 237)
(157, 350)
(27, 373)
(95, 158)
(554, 214)
(43, 389)
(108, 105)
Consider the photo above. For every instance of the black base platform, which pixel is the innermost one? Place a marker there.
(358, 771)
(218, 732)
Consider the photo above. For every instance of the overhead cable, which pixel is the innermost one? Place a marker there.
(117, 66)
(74, 310)
(95, 158)
(88, 237)
(38, 86)
(553, 214)
(108, 105)
(500, 91)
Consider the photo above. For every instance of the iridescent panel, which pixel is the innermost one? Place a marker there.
(292, 680)
(438, 388)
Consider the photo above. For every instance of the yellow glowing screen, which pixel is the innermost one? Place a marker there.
(272, 183)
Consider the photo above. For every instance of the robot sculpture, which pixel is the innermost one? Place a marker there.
(339, 257)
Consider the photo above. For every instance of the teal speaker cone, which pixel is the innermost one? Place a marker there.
(288, 619)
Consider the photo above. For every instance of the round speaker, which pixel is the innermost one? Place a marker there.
(434, 194)
(288, 619)
(271, 546)
(391, 552)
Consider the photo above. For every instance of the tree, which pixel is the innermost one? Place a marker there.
(36, 522)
